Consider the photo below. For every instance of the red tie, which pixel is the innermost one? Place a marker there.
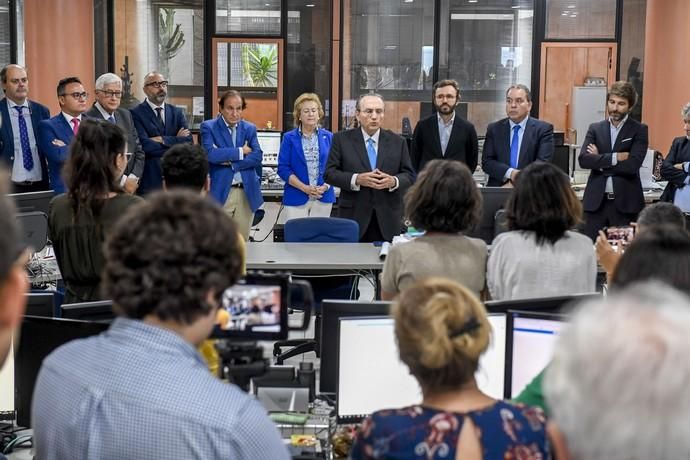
(75, 127)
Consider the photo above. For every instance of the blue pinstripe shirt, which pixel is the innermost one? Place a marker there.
(142, 392)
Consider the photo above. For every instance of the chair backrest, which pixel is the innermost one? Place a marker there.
(321, 230)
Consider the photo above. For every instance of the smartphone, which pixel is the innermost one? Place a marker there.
(620, 236)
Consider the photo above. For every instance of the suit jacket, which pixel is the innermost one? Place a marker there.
(291, 160)
(123, 119)
(537, 144)
(627, 188)
(56, 128)
(38, 112)
(147, 125)
(679, 153)
(224, 159)
(348, 156)
(426, 143)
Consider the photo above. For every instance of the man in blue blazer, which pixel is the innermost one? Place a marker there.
(160, 126)
(19, 118)
(516, 141)
(234, 154)
(55, 134)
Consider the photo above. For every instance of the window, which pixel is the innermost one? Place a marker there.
(5, 39)
(248, 17)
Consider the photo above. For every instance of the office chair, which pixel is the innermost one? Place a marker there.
(318, 230)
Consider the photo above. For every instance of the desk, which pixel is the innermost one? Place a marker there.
(330, 258)
(650, 196)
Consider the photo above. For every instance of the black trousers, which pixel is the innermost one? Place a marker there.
(606, 216)
(373, 231)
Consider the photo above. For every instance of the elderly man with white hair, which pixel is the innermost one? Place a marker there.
(618, 383)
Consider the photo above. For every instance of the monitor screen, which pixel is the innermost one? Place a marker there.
(7, 387)
(101, 310)
(33, 201)
(494, 199)
(365, 381)
(38, 338)
(542, 304)
(532, 337)
(270, 145)
(40, 304)
(331, 312)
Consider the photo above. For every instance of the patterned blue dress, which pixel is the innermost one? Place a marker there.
(506, 431)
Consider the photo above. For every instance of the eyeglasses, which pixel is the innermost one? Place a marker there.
(370, 112)
(115, 94)
(158, 84)
(83, 95)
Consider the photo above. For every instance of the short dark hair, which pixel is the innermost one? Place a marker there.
(659, 214)
(166, 254)
(64, 82)
(525, 88)
(228, 94)
(446, 82)
(10, 242)
(444, 198)
(625, 90)
(662, 254)
(543, 202)
(185, 165)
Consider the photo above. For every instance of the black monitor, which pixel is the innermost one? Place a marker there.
(33, 201)
(331, 312)
(494, 199)
(37, 339)
(34, 229)
(101, 310)
(561, 158)
(543, 304)
(40, 304)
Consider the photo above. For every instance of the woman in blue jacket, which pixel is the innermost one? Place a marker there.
(302, 161)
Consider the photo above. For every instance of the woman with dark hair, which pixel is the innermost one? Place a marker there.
(444, 202)
(541, 256)
(79, 219)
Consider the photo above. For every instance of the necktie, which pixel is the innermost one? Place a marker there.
(27, 158)
(111, 119)
(75, 125)
(233, 134)
(514, 147)
(159, 112)
(371, 151)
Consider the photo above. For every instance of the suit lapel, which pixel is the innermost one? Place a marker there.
(384, 143)
(170, 121)
(527, 141)
(625, 133)
(436, 137)
(223, 131)
(297, 146)
(65, 127)
(503, 143)
(358, 141)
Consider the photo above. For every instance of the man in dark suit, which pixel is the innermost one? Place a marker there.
(444, 135)
(234, 154)
(514, 142)
(372, 167)
(55, 134)
(107, 107)
(19, 118)
(159, 126)
(676, 167)
(614, 149)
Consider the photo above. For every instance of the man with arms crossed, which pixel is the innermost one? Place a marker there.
(372, 167)
(19, 132)
(514, 142)
(444, 135)
(141, 390)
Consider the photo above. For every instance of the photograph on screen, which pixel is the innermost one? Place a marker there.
(250, 307)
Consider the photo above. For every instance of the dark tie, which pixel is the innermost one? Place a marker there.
(27, 158)
(514, 152)
(159, 112)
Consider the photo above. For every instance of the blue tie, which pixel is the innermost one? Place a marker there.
(514, 147)
(111, 119)
(27, 158)
(233, 134)
(371, 151)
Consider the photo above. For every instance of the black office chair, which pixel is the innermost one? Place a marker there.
(319, 230)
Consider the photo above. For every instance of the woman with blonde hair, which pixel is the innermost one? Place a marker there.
(442, 329)
(302, 161)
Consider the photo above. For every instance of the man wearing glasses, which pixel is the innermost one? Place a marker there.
(372, 167)
(107, 107)
(19, 132)
(55, 134)
(160, 126)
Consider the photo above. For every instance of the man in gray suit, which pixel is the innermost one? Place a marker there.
(107, 107)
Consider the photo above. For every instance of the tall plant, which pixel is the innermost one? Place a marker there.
(171, 39)
(260, 65)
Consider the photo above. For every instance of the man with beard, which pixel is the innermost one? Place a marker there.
(444, 135)
(614, 150)
(160, 126)
(514, 142)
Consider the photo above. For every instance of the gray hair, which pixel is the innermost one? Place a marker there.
(617, 383)
(107, 79)
(685, 111)
(359, 99)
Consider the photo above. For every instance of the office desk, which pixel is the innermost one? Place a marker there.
(315, 258)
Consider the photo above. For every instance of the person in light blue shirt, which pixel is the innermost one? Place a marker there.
(676, 166)
(141, 390)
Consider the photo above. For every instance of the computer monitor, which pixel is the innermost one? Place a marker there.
(331, 312)
(494, 199)
(270, 145)
(531, 340)
(38, 338)
(101, 311)
(34, 229)
(543, 304)
(40, 304)
(377, 379)
(33, 201)
(561, 158)
(7, 387)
